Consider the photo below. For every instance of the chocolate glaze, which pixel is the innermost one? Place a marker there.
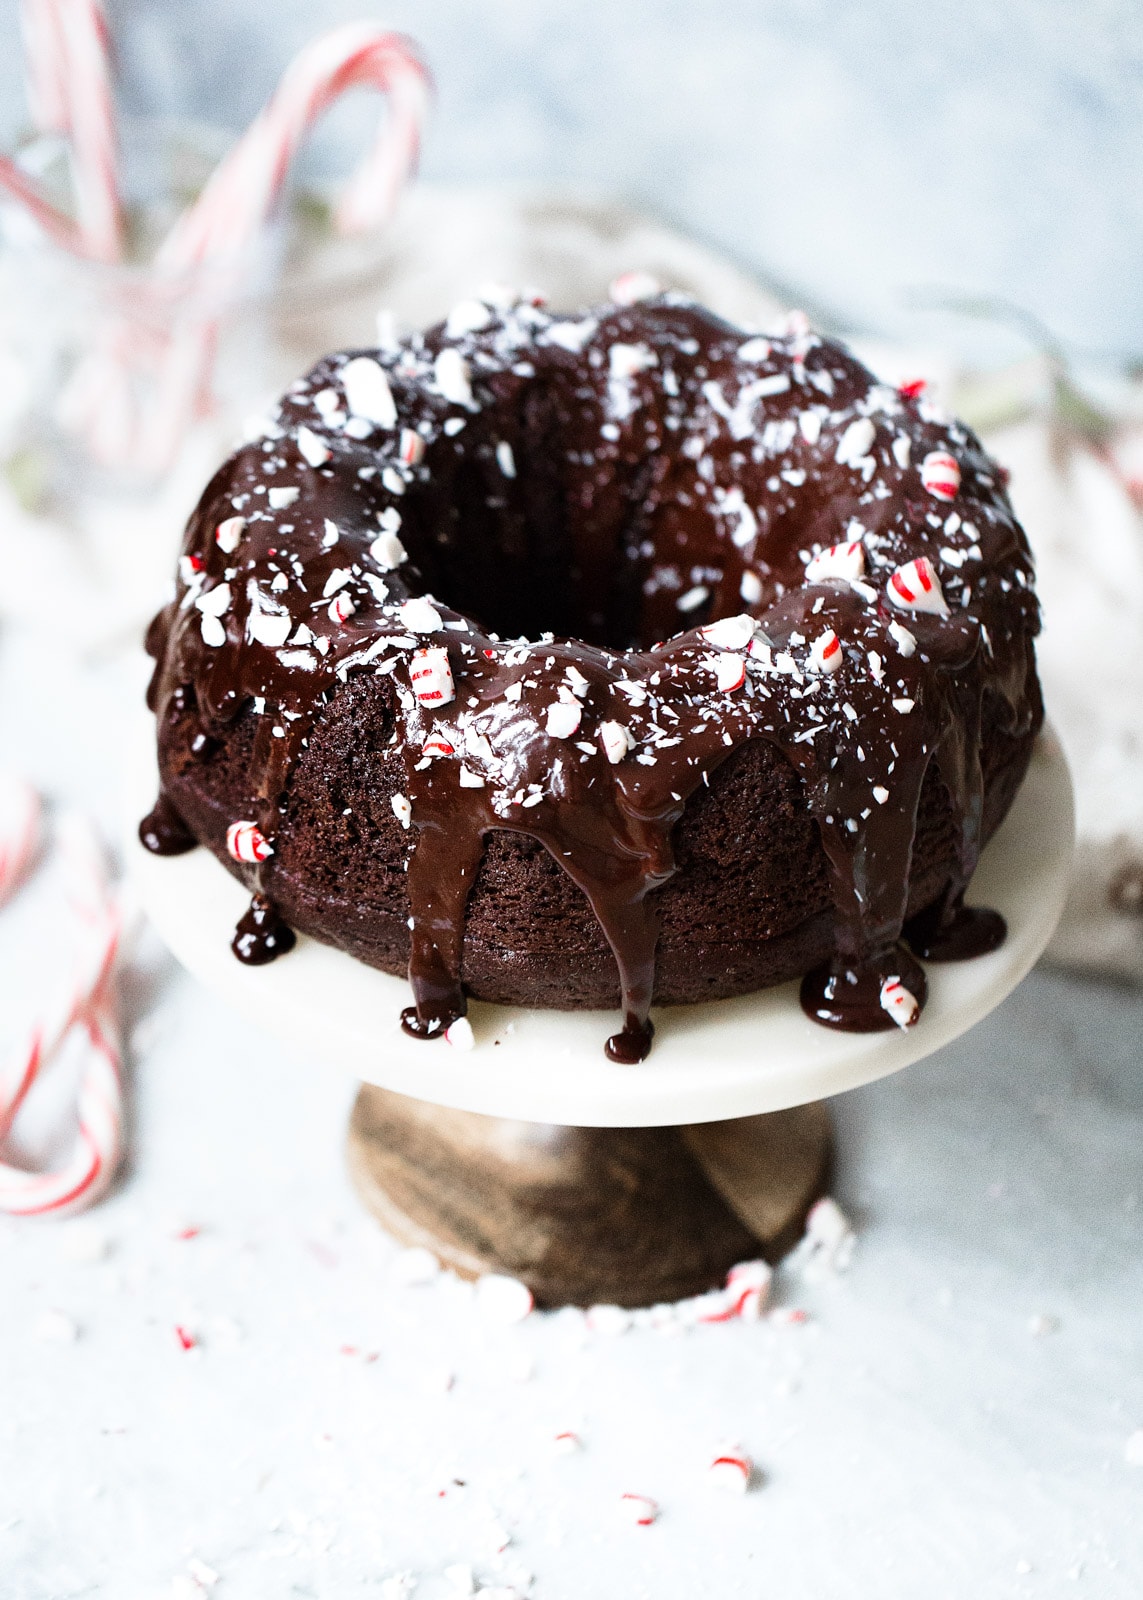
(849, 998)
(261, 936)
(164, 832)
(955, 932)
(644, 468)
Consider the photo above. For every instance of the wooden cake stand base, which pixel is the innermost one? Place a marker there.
(623, 1216)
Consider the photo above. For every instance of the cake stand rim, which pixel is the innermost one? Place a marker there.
(711, 1062)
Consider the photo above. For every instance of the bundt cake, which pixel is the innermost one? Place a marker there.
(623, 657)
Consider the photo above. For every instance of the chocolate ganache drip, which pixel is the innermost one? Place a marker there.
(585, 561)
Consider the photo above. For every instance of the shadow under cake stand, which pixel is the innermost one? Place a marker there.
(534, 1155)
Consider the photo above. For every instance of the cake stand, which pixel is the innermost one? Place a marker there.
(533, 1154)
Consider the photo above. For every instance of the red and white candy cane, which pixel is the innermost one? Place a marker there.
(19, 831)
(86, 1007)
(67, 56)
(243, 191)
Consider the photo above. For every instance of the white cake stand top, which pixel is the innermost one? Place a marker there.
(728, 1058)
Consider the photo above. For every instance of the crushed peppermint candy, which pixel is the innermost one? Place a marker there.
(729, 671)
(452, 376)
(246, 842)
(419, 616)
(916, 587)
(228, 534)
(825, 653)
(430, 674)
(467, 316)
(388, 551)
(905, 641)
(460, 1035)
(402, 809)
(639, 1509)
(940, 474)
(855, 442)
(731, 1471)
(562, 719)
(845, 561)
(616, 740)
(730, 633)
(312, 448)
(411, 449)
(367, 391)
(897, 1001)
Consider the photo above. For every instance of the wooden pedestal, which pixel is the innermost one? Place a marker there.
(588, 1215)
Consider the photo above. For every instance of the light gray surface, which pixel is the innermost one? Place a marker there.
(856, 153)
(916, 1436)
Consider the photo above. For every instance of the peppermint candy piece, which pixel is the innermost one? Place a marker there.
(855, 442)
(639, 1509)
(899, 1003)
(616, 741)
(625, 360)
(246, 842)
(940, 474)
(631, 287)
(916, 587)
(844, 561)
(402, 809)
(460, 1035)
(563, 718)
(729, 672)
(437, 745)
(500, 1299)
(825, 653)
(312, 448)
(367, 391)
(451, 373)
(902, 638)
(732, 1471)
(412, 448)
(730, 633)
(228, 534)
(342, 607)
(430, 674)
(388, 551)
(748, 1286)
(467, 316)
(418, 616)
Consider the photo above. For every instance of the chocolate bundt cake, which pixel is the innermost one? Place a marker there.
(624, 657)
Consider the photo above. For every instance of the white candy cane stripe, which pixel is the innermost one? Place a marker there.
(86, 1005)
(246, 842)
(916, 587)
(940, 474)
(845, 561)
(19, 831)
(430, 674)
(899, 1003)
